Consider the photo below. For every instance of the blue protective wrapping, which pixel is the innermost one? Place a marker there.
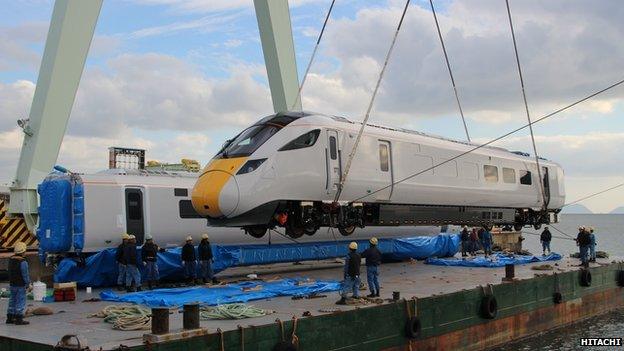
(55, 213)
(100, 269)
(78, 214)
(495, 260)
(230, 293)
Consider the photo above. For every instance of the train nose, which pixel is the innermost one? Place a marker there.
(215, 194)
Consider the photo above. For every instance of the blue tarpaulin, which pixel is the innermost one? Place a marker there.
(100, 269)
(230, 293)
(495, 260)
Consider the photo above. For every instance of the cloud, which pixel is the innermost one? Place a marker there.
(16, 45)
(209, 6)
(205, 24)
(161, 92)
(15, 99)
(567, 49)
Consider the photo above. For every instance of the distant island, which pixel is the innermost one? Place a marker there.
(576, 209)
(618, 210)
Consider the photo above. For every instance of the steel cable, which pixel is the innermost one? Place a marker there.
(526, 107)
(620, 82)
(594, 194)
(318, 41)
(448, 65)
(343, 177)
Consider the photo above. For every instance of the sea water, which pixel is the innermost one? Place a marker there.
(609, 231)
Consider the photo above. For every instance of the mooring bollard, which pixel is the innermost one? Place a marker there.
(510, 272)
(190, 319)
(396, 295)
(160, 320)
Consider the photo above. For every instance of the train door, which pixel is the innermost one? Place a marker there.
(135, 224)
(546, 185)
(385, 171)
(334, 168)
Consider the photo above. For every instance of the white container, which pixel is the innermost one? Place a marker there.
(39, 291)
(88, 289)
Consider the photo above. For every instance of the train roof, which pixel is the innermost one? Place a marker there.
(341, 119)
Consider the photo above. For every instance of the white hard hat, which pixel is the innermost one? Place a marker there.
(125, 236)
(131, 237)
(353, 245)
(189, 238)
(373, 241)
(148, 237)
(205, 236)
(19, 247)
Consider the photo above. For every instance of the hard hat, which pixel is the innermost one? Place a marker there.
(373, 241)
(148, 237)
(582, 227)
(205, 236)
(19, 247)
(125, 236)
(131, 237)
(353, 245)
(189, 238)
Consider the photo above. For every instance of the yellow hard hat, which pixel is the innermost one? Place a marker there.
(125, 236)
(353, 245)
(373, 241)
(189, 238)
(19, 247)
(205, 236)
(131, 237)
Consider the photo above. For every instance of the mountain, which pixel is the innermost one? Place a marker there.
(618, 210)
(576, 209)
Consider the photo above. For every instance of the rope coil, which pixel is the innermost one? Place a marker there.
(126, 317)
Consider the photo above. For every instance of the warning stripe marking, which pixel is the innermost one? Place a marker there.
(13, 230)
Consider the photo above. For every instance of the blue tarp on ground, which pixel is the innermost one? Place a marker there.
(230, 293)
(100, 269)
(495, 260)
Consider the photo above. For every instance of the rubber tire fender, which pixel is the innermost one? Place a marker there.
(620, 279)
(413, 327)
(586, 278)
(557, 298)
(284, 346)
(489, 307)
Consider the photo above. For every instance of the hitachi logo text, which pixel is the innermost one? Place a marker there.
(601, 342)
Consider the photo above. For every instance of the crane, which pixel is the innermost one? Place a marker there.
(71, 31)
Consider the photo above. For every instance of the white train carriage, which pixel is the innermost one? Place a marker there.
(285, 170)
(139, 202)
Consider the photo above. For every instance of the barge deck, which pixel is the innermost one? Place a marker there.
(446, 300)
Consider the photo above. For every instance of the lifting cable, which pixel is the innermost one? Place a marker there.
(594, 194)
(343, 178)
(620, 82)
(448, 65)
(526, 107)
(318, 41)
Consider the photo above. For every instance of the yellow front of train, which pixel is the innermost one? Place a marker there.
(216, 194)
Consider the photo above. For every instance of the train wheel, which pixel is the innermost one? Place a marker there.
(310, 231)
(518, 227)
(346, 231)
(257, 232)
(294, 232)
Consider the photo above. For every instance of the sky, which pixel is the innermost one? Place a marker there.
(179, 77)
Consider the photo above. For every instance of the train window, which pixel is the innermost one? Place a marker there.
(490, 173)
(248, 141)
(525, 177)
(306, 140)
(134, 206)
(180, 192)
(509, 175)
(187, 210)
(384, 157)
(333, 152)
